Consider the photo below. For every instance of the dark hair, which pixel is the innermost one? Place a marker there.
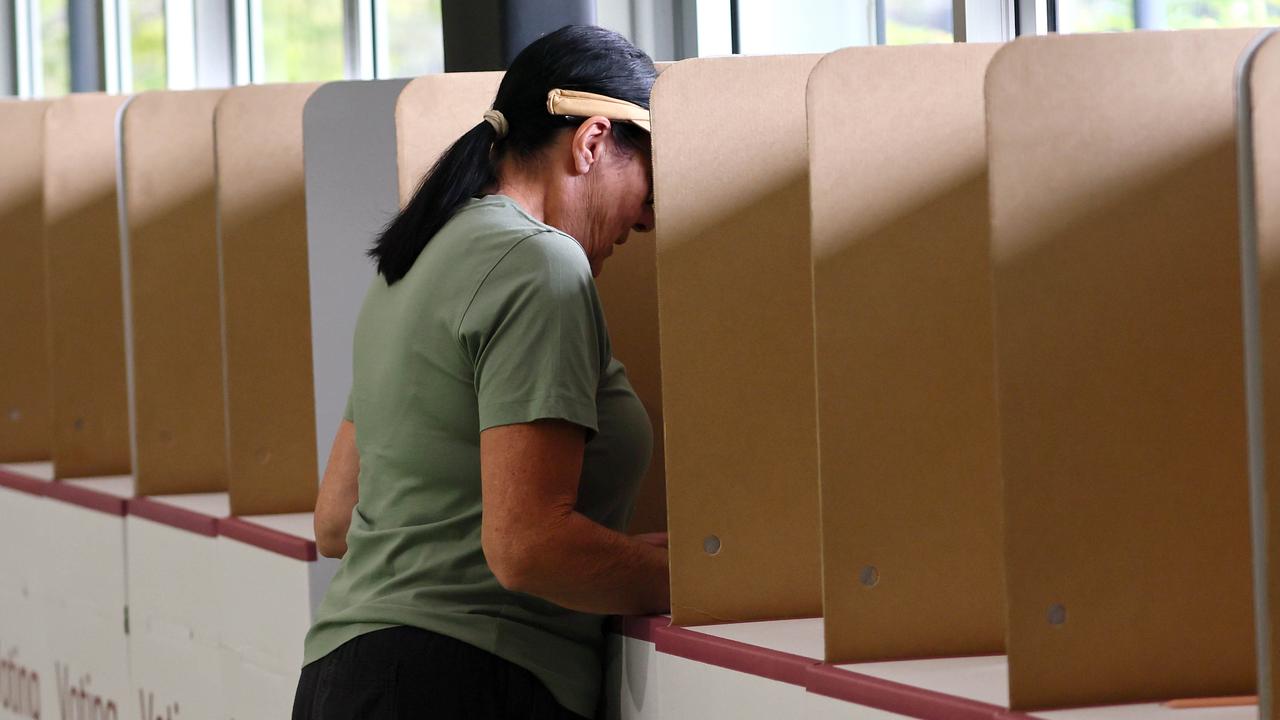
(577, 57)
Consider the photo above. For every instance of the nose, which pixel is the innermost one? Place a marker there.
(645, 222)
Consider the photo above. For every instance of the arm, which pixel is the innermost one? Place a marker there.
(339, 491)
(536, 543)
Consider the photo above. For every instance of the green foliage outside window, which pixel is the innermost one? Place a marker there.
(146, 30)
(914, 22)
(55, 41)
(302, 40)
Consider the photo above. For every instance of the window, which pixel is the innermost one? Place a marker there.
(913, 22)
(146, 66)
(409, 37)
(768, 27)
(1111, 15)
(53, 48)
(1094, 15)
(297, 40)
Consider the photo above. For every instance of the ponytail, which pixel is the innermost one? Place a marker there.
(461, 173)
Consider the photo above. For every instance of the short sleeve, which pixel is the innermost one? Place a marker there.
(347, 414)
(535, 334)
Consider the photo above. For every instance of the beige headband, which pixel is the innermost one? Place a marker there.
(584, 104)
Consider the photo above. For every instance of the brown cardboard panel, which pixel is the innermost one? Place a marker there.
(912, 550)
(735, 303)
(431, 113)
(85, 299)
(266, 306)
(1116, 268)
(1264, 87)
(171, 215)
(25, 405)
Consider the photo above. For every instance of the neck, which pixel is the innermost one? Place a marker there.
(529, 190)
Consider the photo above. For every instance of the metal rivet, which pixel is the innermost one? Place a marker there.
(15, 414)
(78, 424)
(711, 545)
(869, 576)
(1057, 614)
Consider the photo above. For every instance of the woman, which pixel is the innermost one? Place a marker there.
(499, 444)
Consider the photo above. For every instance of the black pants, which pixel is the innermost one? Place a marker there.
(405, 672)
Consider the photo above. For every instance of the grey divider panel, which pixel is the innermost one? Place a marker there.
(912, 552)
(172, 297)
(1258, 115)
(1116, 265)
(82, 263)
(736, 309)
(349, 143)
(432, 113)
(24, 383)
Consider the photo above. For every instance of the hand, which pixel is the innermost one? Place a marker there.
(656, 539)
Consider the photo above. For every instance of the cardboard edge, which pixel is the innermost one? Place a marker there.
(24, 483)
(173, 516)
(86, 498)
(733, 655)
(274, 541)
(833, 682)
(1255, 401)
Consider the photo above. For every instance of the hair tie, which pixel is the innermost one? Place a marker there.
(496, 119)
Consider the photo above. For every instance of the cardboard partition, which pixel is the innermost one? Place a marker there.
(435, 110)
(349, 140)
(86, 317)
(271, 443)
(1258, 111)
(24, 386)
(1116, 266)
(912, 552)
(172, 298)
(735, 303)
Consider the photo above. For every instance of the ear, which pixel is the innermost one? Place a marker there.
(588, 144)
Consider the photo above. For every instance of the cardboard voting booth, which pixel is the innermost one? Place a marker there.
(912, 551)
(25, 420)
(1258, 108)
(1116, 266)
(735, 305)
(265, 301)
(433, 112)
(173, 335)
(86, 318)
(172, 297)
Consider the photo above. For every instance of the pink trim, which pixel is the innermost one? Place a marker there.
(638, 627)
(22, 483)
(275, 541)
(84, 497)
(174, 516)
(733, 655)
(833, 682)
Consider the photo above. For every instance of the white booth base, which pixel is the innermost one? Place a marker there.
(270, 581)
(173, 607)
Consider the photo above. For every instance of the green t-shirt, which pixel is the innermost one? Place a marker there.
(497, 322)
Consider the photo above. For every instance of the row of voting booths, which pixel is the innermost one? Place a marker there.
(964, 360)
